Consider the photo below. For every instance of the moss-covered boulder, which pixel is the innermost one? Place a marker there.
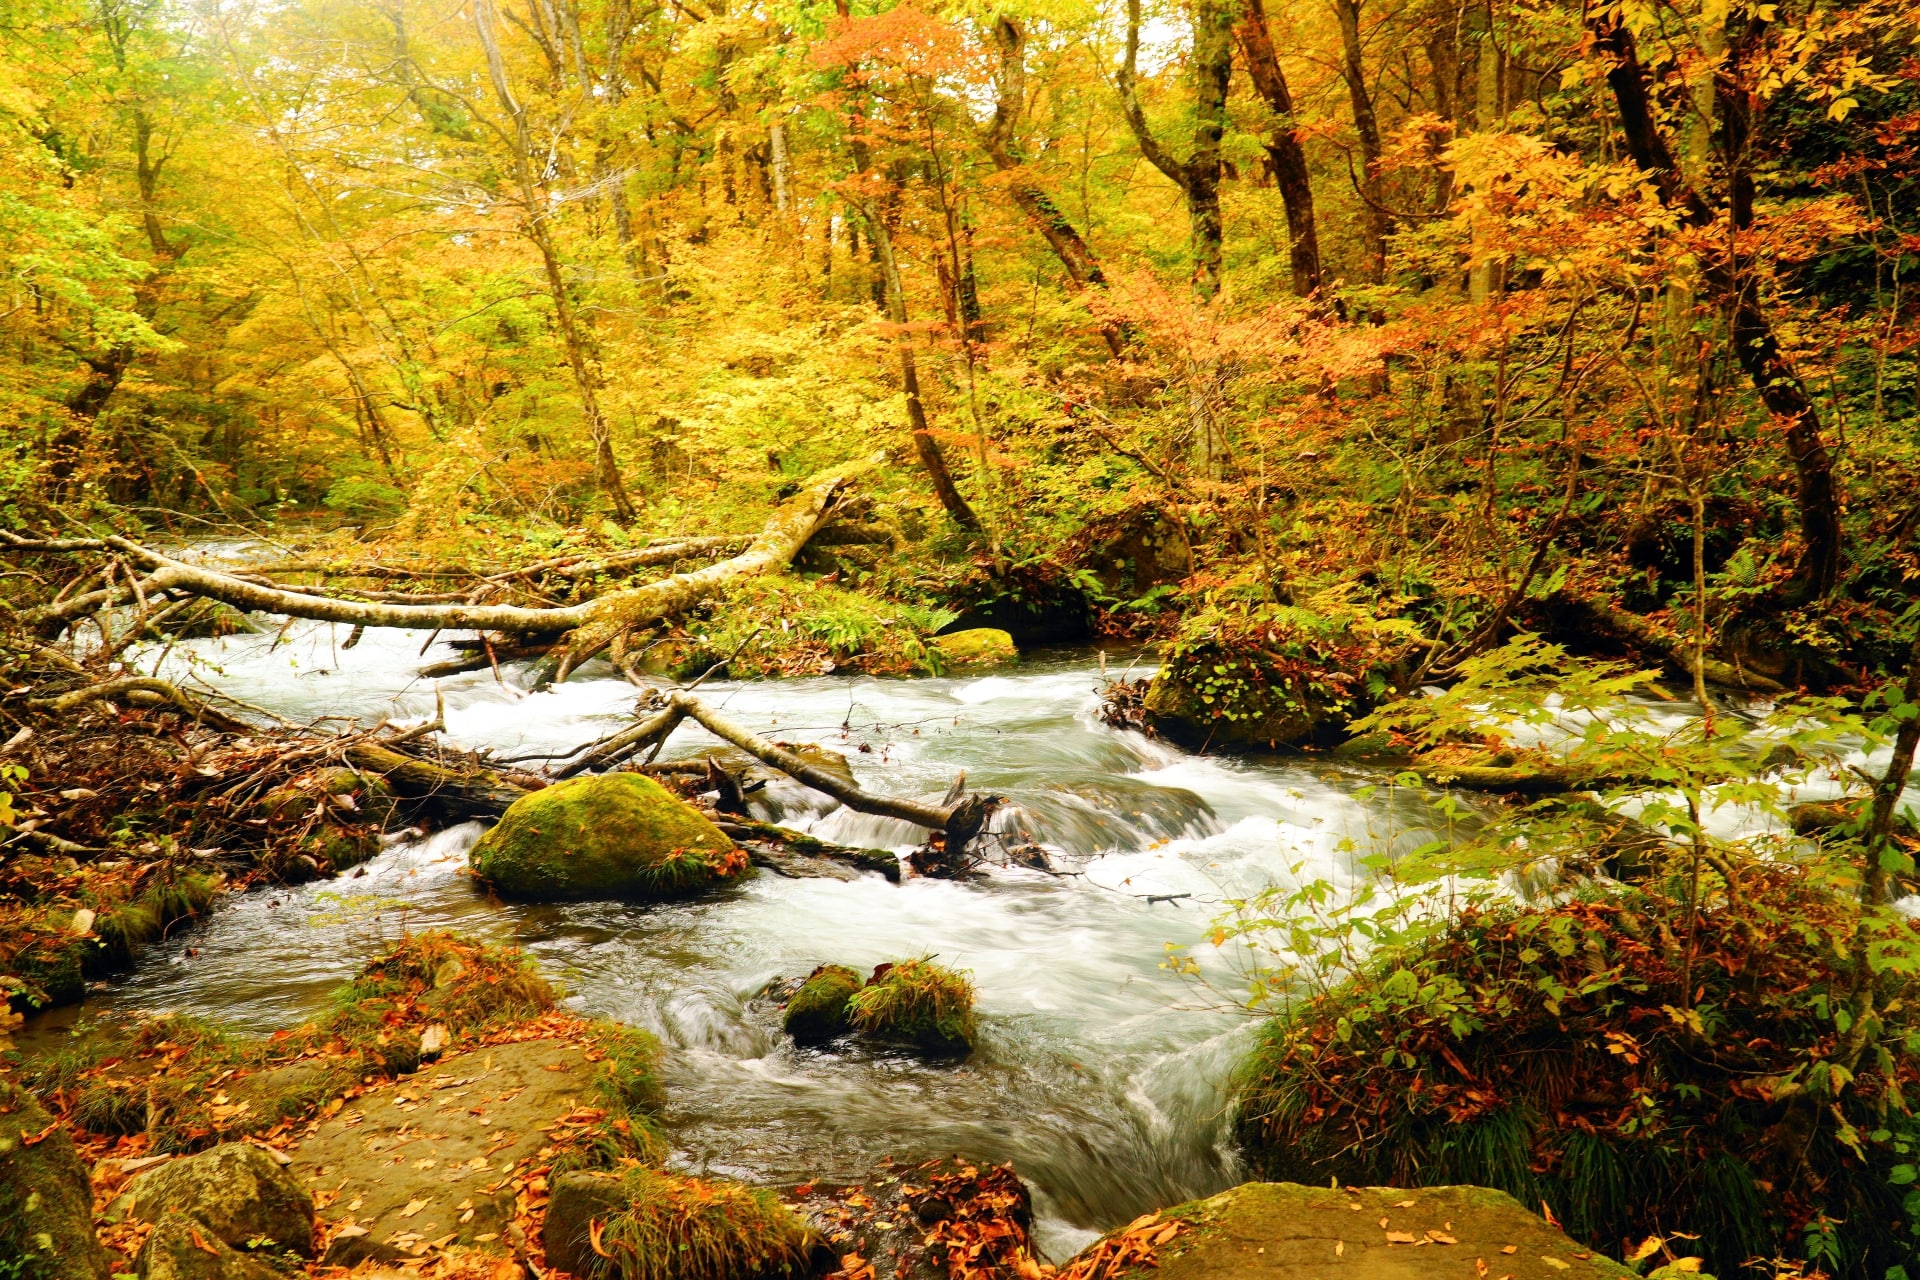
(617, 836)
(179, 1249)
(978, 647)
(919, 1005)
(46, 1199)
(821, 1009)
(656, 1225)
(1245, 676)
(238, 1193)
(1284, 1231)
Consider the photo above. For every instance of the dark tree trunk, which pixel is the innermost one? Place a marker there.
(1284, 152)
(1755, 345)
(1376, 225)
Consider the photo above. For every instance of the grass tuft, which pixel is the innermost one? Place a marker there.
(680, 1228)
(919, 1003)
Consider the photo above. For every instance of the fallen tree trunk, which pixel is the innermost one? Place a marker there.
(1641, 631)
(458, 794)
(921, 814)
(593, 624)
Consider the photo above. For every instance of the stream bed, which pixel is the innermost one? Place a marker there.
(1098, 1073)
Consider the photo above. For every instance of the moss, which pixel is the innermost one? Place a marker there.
(439, 977)
(821, 1009)
(628, 1082)
(680, 1228)
(919, 1004)
(46, 1203)
(618, 835)
(977, 647)
(1252, 675)
(124, 929)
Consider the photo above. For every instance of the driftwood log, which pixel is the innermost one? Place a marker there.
(590, 626)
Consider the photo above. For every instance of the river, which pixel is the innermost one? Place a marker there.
(1098, 1073)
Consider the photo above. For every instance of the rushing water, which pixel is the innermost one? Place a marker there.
(1098, 1073)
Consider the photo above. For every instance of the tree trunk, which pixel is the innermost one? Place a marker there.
(924, 444)
(579, 359)
(1376, 225)
(1198, 177)
(1284, 152)
(1754, 343)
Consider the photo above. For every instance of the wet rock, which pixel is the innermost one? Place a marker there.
(237, 1192)
(819, 1011)
(434, 1157)
(663, 1226)
(617, 836)
(576, 1201)
(181, 1248)
(1284, 1231)
(918, 1005)
(46, 1198)
(979, 647)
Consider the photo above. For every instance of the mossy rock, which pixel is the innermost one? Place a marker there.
(821, 1009)
(919, 1005)
(46, 1199)
(616, 836)
(657, 1225)
(179, 1249)
(237, 1192)
(978, 647)
(1285, 1231)
(1252, 716)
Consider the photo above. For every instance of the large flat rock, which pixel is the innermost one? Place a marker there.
(1284, 1231)
(430, 1161)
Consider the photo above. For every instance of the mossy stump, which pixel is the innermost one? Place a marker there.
(821, 1010)
(616, 836)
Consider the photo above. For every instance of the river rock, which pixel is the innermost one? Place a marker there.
(618, 835)
(575, 1201)
(237, 1193)
(1284, 1231)
(818, 1011)
(979, 647)
(181, 1248)
(434, 1157)
(46, 1198)
(917, 1005)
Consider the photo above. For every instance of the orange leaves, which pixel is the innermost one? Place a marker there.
(1135, 1245)
(906, 39)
